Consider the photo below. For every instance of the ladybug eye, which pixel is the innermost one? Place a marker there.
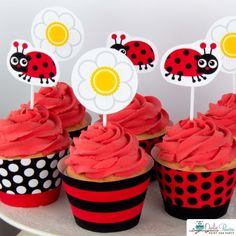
(23, 62)
(202, 63)
(14, 61)
(122, 50)
(212, 64)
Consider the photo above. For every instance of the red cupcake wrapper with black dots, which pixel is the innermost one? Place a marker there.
(30, 182)
(107, 206)
(148, 145)
(196, 195)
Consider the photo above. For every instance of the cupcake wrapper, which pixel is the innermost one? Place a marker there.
(30, 182)
(76, 133)
(195, 195)
(108, 206)
(148, 145)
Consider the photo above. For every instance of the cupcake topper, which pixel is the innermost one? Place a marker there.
(58, 31)
(32, 66)
(104, 81)
(140, 51)
(191, 65)
(224, 32)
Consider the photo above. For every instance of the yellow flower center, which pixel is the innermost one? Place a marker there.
(57, 34)
(228, 45)
(105, 81)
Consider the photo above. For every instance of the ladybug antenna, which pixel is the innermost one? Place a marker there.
(203, 46)
(24, 46)
(213, 46)
(122, 37)
(114, 36)
(16, 45)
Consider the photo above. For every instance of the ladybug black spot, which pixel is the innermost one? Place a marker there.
(51, 74)
(180, 73)
(150, 60)
(133, 56)
(168, 57)
(169, 68)
(136, 44)
(35, 68)
(29, 58)
(41, 76)
(151, 49)
(45, 64)
(140, 63)
(196, 57)
(38, 55)
(127, 48)
(188, 66)
(143, 52)
(186, 52)
(177, 60)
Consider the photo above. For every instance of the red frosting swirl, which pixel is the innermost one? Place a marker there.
(224, 112)
(198, 142)
(28, 132)
(101, 151)
(142, 115)
(62, 101)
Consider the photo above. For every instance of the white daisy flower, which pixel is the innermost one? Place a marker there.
(58, 31)
(104, 80)
(224, 33)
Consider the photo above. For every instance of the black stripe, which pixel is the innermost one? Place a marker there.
(196, 213)
(106, 228)
(76, 133)
(106, 186)
(107, 206)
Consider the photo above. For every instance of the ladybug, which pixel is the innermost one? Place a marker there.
(191, 63)
(140, 53)
(33, 64)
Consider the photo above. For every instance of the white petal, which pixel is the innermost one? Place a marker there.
(47, 46)
(124, 93)
(64, 51)
(232, 26)
(125, 71)
(218, 33)
(40, 31)
(86, 69)
(85, 90)
(50, 16)
(104, 103)
(106, 59)
(75, 37)
(67, 19)
(229, 64)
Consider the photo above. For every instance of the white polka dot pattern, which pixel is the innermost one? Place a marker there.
(30, 176)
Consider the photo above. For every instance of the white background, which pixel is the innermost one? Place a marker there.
(167, 23)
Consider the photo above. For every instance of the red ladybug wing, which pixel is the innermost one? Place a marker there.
(139, 52)
(40, 65)
(182, 61)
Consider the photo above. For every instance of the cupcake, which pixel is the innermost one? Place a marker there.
(31, 143)
(105, 177)
(62, 101)
(196, 164)
(145, 118)
(224, 112)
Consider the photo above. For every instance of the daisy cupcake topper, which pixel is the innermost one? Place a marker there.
(104, 81)
(58, 31)
(224, 33)
(191, 65)
(140, 51)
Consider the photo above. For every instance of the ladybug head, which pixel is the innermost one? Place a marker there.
(207, 63)
(119, 46)
(18, 60)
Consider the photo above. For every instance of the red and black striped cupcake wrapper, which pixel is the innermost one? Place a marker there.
(30, 182)
(107, 206)
(196, 195)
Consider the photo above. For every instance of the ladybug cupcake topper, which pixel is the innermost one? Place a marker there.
(224, 33)
(191, 65)
(141, 52)
(104, 81)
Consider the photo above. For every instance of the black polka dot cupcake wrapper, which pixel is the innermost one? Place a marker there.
(196, 194)
(108, 206)
(30, 178)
